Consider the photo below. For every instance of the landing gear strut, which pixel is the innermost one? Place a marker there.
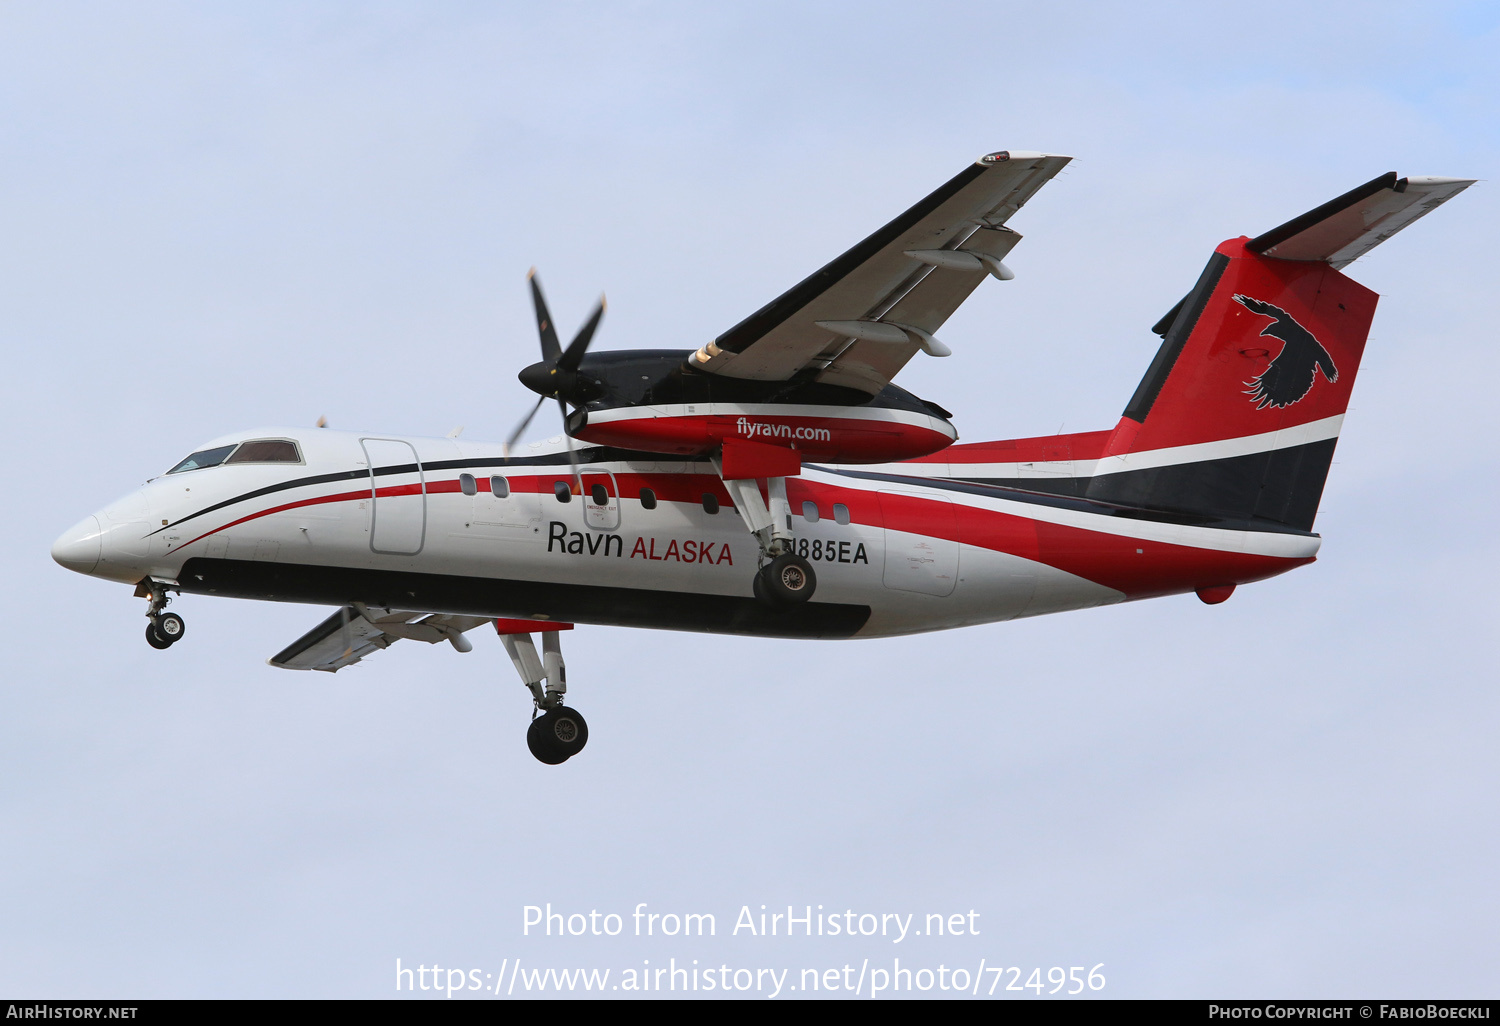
(557, 733)
(164, 629)
(782, 577)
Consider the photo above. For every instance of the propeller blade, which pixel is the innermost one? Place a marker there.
(551, 348)
(580, 344)
(572, 454)
(521, 427)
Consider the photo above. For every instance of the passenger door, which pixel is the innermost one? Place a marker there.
(398, 497)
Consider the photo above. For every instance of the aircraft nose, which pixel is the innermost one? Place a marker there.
(79, 547)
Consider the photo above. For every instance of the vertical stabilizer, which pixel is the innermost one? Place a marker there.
(1239, 413)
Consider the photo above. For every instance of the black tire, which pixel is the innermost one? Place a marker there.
(789, 579)
(540, 744)
(154, 639)
(557, 735)
(761, 595)
(170, 627)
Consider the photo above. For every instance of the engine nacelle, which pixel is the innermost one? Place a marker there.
(818, 434)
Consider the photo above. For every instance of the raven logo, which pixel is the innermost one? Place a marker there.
(1290, 376)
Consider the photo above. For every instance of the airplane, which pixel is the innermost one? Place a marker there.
(774, 482)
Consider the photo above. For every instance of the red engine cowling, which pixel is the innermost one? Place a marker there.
(818, 434)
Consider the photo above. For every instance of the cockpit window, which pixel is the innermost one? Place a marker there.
(205, 458)
(257, 450)
(266, 450)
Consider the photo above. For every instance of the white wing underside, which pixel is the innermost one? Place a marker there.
(356, 631)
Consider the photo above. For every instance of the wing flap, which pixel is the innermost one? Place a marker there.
(927, 305)
(354, 632)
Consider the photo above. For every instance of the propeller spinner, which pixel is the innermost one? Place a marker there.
(556, 375)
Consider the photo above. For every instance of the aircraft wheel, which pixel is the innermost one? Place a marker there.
(154, 639)
(557, 735)
(761, 594)
(788, 579)
(170, 627)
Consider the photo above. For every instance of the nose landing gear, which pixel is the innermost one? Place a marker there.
(164, 629)
(558, 733)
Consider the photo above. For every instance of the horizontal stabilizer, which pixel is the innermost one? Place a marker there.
(1345, 229)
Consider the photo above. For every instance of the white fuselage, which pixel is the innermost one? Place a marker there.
(365, 513)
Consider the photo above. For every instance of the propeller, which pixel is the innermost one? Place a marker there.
(556, 375)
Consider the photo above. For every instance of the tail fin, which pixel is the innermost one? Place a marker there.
(1239, 412)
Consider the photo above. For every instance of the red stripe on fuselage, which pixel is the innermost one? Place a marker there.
(1137, 567)
(1140, 568)
(363, 493)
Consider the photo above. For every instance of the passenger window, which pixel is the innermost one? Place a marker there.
(202, 459)
(810, 512)
(648, 499)
(467, 485)
(499, 487)
(710, 503)
(840, 513)
(266, 450)
(563, 491)
(599, 495)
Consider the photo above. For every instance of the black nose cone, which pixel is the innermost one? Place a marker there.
(541, 378)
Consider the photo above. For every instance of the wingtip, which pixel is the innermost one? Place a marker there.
(1003, 156)
(531, 273)
(1431, 180)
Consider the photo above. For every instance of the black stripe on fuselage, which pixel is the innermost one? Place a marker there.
(1084, 494)
(1276, 490)
(1062, 493)
(593, 454)
(1279, 486)
(529, 600)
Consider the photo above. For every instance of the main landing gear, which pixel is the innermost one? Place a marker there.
(557, 733)
(782, 578)
(164, 629)
(785, 581)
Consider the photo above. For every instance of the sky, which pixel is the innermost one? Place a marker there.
(216, 217)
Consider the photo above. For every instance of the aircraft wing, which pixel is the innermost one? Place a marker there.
(356, 631)
(861, 317)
